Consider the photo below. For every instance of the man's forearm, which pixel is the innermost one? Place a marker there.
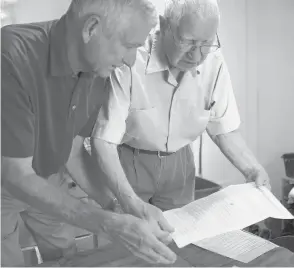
(38, 193)
(106, 156)
(85, 173)
(237, 152)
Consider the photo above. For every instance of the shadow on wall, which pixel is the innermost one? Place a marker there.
(35, 10)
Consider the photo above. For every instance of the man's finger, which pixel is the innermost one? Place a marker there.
(165, 226)
(267, 184)
(163, 250)
(138, 253)
(163, 236)
(260, 182)
(150, 256)
(166, 239)
(146, 253)
(149, 245)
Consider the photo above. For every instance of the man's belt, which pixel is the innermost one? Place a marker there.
(142, 151)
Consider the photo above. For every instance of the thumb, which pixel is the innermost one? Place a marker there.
(163, 236)
(258, 182)
(164, 225)
(267, 185)
(262, 182)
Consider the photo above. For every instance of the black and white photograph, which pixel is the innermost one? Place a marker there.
(147, 133)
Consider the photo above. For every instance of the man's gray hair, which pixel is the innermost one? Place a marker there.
(113, 11)
(175, 10)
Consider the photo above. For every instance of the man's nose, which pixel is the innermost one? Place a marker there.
(195, 55)
(130, 58)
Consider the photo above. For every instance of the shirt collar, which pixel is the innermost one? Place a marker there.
(157, 61)
(58, 57)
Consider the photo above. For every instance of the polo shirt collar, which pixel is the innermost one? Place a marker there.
(59, 64)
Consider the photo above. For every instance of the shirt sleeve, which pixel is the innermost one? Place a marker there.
(224, 115)
(17, 119)
(111, 121)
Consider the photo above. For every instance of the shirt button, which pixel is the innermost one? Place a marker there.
(74, 107)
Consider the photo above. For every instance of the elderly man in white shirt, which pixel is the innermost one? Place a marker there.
(178, 87)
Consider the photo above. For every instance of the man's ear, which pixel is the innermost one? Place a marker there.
(91, 27)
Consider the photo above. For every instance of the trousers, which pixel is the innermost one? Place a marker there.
(165, 181)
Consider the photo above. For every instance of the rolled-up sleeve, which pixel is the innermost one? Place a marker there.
(17, 117)
(110, 125)
(224, 115)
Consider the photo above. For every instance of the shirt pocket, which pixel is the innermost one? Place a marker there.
(195, 123)
(200, 117)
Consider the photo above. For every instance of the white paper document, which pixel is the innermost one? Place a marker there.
(233, 208)
(238, 245)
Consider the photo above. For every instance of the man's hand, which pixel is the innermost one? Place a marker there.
(260, 177)
(153, 216)
(235, 149)
(156, 219)
(137, 236)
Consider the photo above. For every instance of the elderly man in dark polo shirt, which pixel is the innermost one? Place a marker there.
(53, 76)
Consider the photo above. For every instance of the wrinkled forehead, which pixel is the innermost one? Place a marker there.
(191, 26)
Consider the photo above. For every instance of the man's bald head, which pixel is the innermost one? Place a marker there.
(175, 10)
(113, 13)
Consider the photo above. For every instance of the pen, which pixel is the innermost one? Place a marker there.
(211, 105)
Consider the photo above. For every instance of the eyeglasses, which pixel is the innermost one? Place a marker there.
(191, 46)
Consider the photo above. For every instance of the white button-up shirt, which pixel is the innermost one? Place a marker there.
(148, 109)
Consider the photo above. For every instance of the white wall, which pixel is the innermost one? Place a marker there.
(258, 44)
(233, 40)
(275, 84)
(39, 10)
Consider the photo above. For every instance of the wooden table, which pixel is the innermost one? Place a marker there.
(116, 256)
